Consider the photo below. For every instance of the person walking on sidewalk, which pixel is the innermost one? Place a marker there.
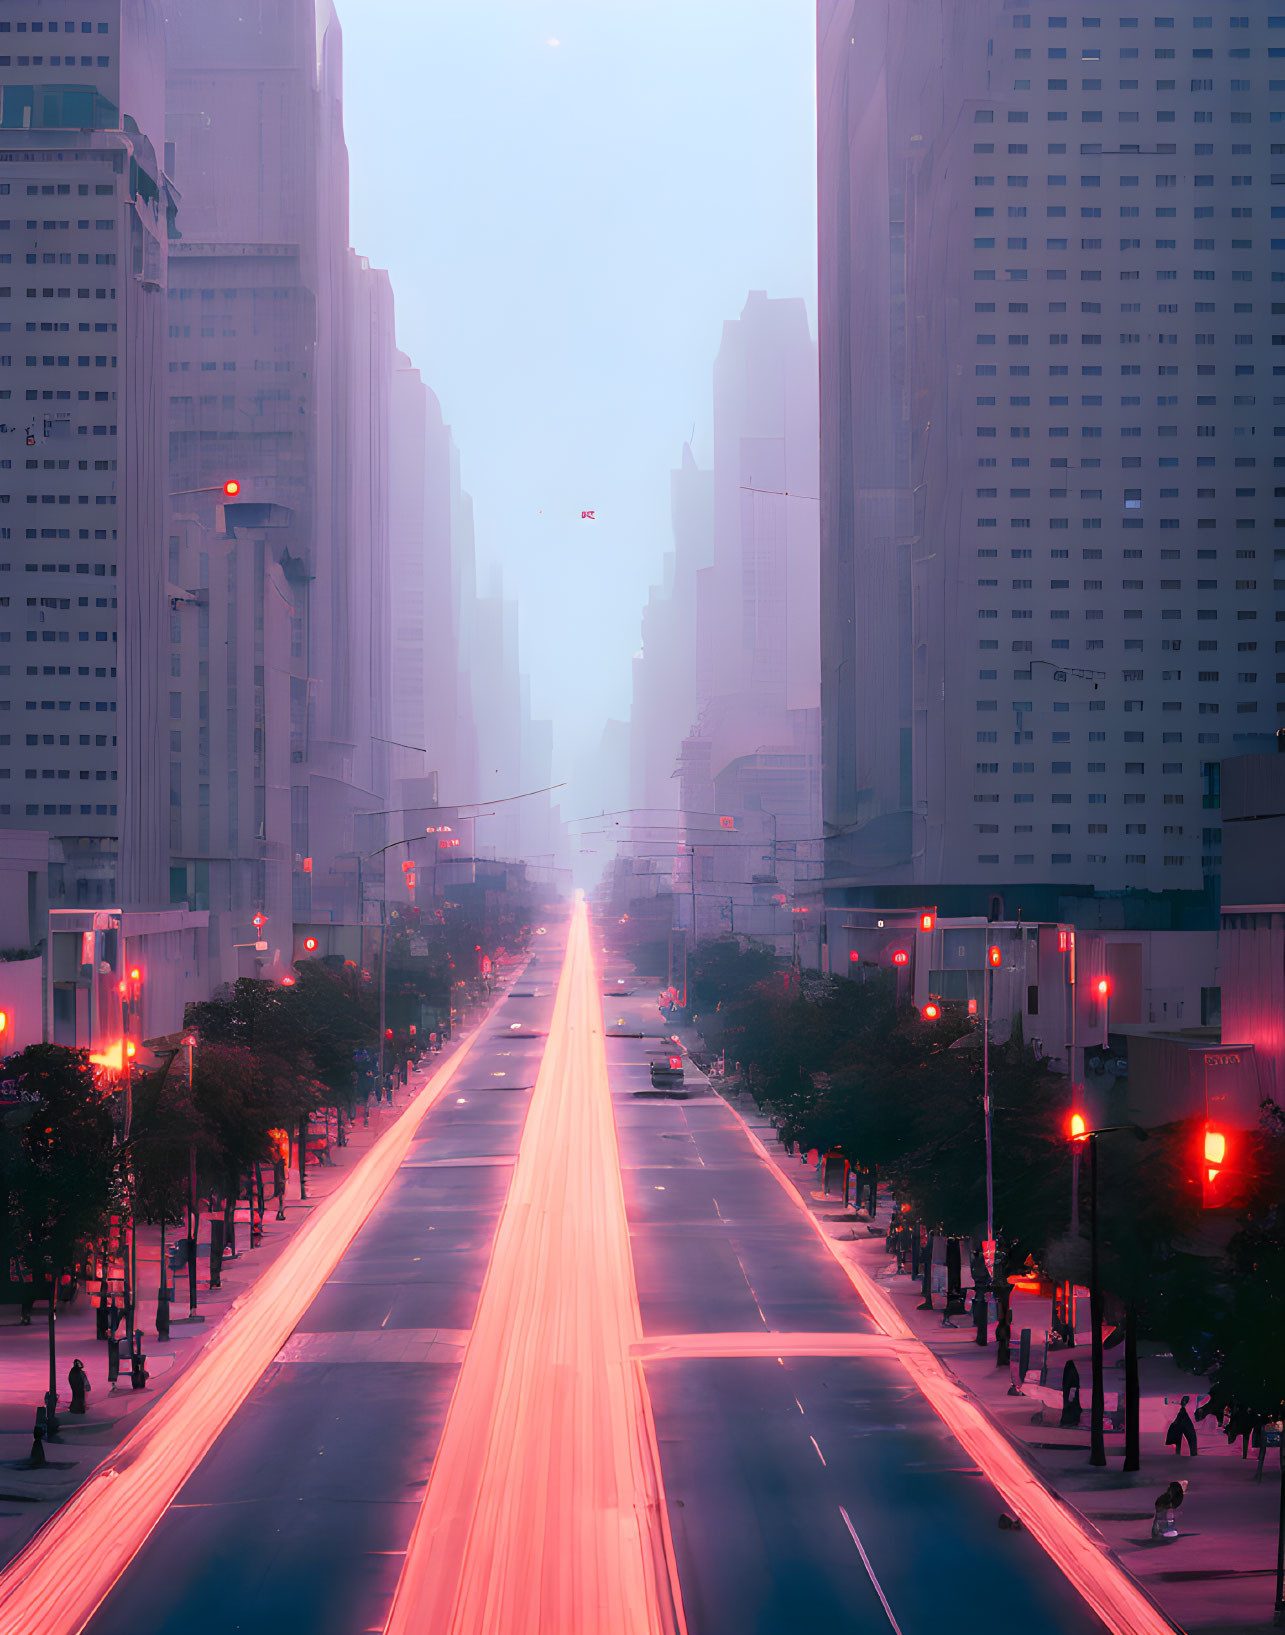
(78, 1379)
(1182, 1430)
(1070, 1394)
(1165, 1524)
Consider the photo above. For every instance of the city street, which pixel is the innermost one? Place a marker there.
(295, 1518)
(805, 1491)
(806, 1480)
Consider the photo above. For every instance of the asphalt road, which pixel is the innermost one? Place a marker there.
(761, 1457)
(804, 1493)
(297, 1518)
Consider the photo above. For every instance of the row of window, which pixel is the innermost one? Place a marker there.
(1057, 768)
(98, 738)
(63, 811)
(64, 259)
(52, 28)
(63, 293)
(55, 774)
(1125, 584)
(1023, 20)
(1022, 858)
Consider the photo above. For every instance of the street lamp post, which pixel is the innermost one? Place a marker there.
(994, 957)
(1097, 1409)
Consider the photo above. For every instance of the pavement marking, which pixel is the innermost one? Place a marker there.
(883, 1599)
(545, 1511)
(56, 1584)
(1113, 1593)
(659, 1347)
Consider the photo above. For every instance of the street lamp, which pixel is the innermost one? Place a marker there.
(1102, 987)
(1097, 1447)
(994, 959)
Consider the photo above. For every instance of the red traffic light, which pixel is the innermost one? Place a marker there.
(310, 943)
(931, 1012)
(928, 920)
(994, 956)
(900, 957)
(1102, 987)
(287, 982)
(231, 488)
(1078, 1128)
(854, 956)
(412, 1030)
(388, 1033)
(1220, 1187)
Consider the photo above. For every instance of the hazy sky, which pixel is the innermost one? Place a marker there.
(571, 197)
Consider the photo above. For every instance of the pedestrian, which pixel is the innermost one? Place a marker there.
(1182, 1430)
(37, 1459)
(1070, 1395)
(1269, 1436)
(1167, 1506)
(79, 1382)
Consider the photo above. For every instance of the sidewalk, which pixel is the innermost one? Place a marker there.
(1218, 1576)
(28, 1497)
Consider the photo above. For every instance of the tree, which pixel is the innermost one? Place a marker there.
(62, 1162)
(239, 1096)
(724, 968)
(60, 1168)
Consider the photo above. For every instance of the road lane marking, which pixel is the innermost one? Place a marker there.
(1118, 1599)
(56, 1584)
(861, 1549)
(545, 1510)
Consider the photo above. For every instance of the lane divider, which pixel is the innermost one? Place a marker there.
(55, 1585)
(545, 1510)
(1083, 1556)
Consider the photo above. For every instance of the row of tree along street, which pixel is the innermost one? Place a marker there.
(842, 1066)
(262, 1069)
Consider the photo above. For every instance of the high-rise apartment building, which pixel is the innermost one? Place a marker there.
(85, 207)
(1051, 286)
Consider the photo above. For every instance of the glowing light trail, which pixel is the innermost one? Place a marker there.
(1121, 1603)
(57, 1583)
(545, 1511)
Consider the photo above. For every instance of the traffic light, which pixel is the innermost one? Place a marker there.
(1102, 987)
(231, 488)
(994, 956)
(854, 956)
(310, 944)
(900, 957)
(931, 1011)
(1221, 1187)
(1079, 1129)
(928, 920)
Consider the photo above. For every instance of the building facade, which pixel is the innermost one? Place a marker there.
(1049, 475)
(82, 111)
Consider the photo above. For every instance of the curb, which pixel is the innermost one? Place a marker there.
(1090, 1532)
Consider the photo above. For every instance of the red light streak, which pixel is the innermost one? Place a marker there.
(57, 1583)
(1121, 1604)
(545, 1510)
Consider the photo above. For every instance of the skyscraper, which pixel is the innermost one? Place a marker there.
(1049, 478)
(86, 208)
